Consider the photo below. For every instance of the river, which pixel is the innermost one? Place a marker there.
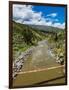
(41, 57)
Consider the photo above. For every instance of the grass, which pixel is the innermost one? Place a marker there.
(22, 32)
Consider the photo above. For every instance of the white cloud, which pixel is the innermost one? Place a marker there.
(52, 14)
(59, 25)
(22, 12)
(25, 14)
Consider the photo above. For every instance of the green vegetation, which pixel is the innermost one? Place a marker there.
(58, 45)
(24, 37)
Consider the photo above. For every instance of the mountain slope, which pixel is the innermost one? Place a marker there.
(46, 28)
(24, 37)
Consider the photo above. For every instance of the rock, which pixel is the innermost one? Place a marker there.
(18, 63)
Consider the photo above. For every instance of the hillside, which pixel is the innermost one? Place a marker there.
(40, 51)
(24, 37)
(47, 28)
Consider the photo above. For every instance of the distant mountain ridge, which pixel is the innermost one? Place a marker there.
(46, 28)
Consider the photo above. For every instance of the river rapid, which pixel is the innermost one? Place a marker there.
(41, 57)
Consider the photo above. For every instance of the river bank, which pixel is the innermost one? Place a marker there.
(40, 53)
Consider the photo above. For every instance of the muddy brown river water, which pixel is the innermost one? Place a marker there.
(40, 66)
(41, 57)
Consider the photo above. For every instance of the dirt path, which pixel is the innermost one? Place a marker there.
(40, 70)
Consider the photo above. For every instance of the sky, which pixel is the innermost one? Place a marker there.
(39, 15)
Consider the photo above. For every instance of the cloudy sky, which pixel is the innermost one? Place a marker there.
(39, 15)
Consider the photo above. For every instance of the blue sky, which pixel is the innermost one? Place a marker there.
(39, 15)
(60, 11)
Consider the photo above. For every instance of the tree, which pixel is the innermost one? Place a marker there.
(28, 35)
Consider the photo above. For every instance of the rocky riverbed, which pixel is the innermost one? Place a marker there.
(41, 56)
(41, 53)
(18, 63)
